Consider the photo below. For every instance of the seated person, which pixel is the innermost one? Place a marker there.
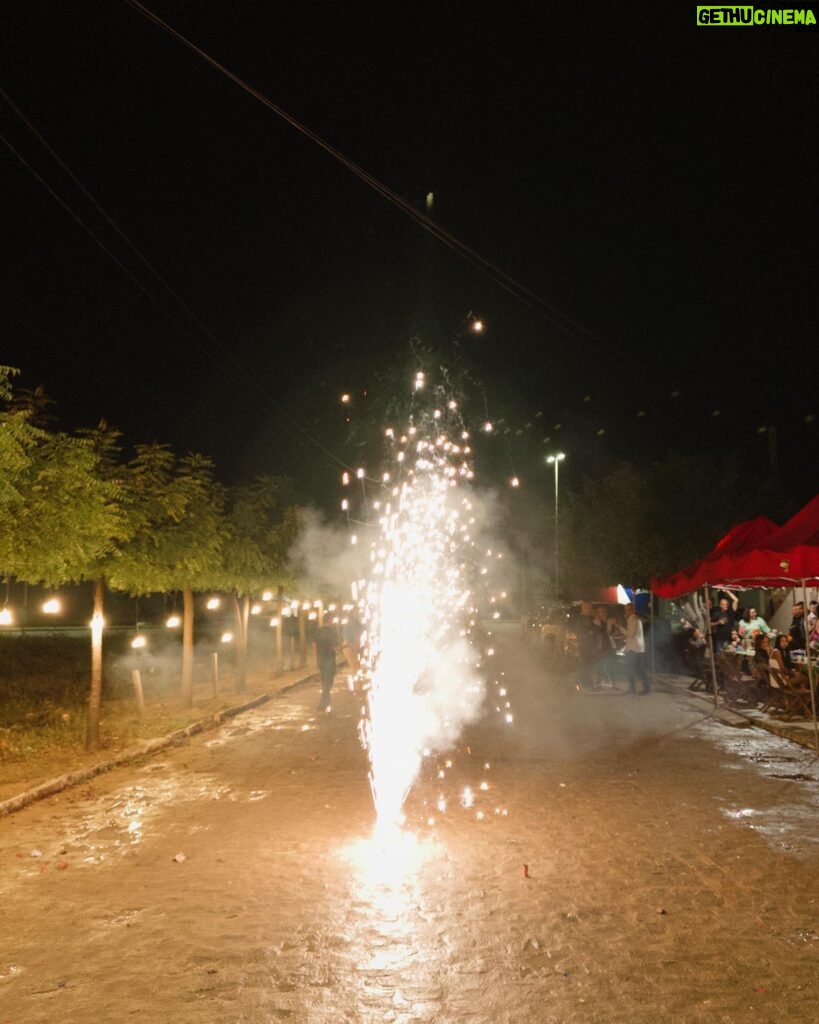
(781, 657)
(752, 622)
(762, 649)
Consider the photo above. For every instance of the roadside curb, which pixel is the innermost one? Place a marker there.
(143, 749)
(796, 732)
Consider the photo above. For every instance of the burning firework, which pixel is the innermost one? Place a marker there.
(420, 667)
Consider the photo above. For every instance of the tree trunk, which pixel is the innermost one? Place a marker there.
(92, 735)
(241, 616)
(187, 647)
(279, 632)
(302, 635)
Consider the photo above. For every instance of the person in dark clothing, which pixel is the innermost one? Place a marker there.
(723, 620)
(587, 647)
(797, 627)
(326, 643)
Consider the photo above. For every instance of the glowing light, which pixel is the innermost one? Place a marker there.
(227, 638)
(514, 482)
(52, 606)
(213, 603)
(274, 622)
(173, 622)
(488, 428)
(255, 609)
(345, 399)
(6, 617)
(477, 326)
(139, 642)
(417, 670)
(267, 595)
(97, 626)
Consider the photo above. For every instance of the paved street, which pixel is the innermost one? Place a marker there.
(673, 875)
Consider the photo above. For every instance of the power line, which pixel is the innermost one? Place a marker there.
(505, 281)
(247, 376)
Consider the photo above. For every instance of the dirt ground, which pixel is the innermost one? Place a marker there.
(672, 875)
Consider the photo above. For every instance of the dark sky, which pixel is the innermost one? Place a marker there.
(652, 180)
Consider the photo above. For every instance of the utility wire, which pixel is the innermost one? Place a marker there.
(505, 281)
(246, 375)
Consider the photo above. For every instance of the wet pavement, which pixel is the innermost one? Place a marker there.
(671, 871)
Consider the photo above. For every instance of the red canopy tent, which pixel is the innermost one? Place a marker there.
(786, 556)
(739, 540)
(758, 554)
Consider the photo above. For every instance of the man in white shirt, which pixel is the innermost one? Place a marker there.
(635, 651)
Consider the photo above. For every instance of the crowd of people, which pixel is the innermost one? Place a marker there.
(599, 637)
(742, 633)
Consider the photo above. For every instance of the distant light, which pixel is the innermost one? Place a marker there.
(227, 638)
(488, 428)
(430, 200)
(345, 398)
(255, 609)
(139, 642)
(557, 457)
(267, 595)
(477, 326)
(213, 603)
(173, 622)
(514, 482)
(6, 617)
(52, 606)
(360, 474)
(313, 616)
(274, 622)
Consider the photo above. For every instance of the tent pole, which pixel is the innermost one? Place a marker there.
(710, 637)
(810, 669)
(651, 628)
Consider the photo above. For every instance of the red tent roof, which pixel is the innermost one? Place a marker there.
(788, 555)
(740, 539)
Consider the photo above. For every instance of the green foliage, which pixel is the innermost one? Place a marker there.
(174, 510)
(630, 524)
(261, 523)
(59, 513)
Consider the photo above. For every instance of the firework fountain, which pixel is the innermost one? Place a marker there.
(421, 607)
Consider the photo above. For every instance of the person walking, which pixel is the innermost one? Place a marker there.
(635, 651)
(587, 647)
(326, 643)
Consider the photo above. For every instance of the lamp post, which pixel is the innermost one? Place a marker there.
(556, 459)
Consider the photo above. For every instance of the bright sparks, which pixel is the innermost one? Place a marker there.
(418, 670)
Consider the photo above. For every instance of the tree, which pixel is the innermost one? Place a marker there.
(60, 514)
(261, 523)
(175, 510)
(634, 523)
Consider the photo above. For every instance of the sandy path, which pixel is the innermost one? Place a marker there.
(672, 877)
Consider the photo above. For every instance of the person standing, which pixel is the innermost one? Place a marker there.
(603, 668)
(587, 647)
(326, 643)
(723, 619)
(635, 649)
(797, 626)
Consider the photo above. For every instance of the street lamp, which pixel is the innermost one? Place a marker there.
(556, 459)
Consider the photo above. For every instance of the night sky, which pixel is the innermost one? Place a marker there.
(650, 182)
